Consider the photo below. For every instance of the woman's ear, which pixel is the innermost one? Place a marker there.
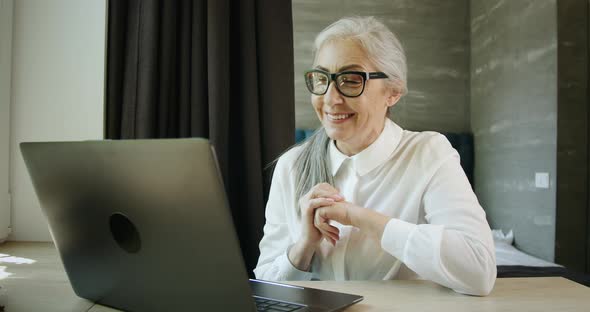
(393, 98)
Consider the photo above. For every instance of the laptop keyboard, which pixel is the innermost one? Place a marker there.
(267, 305)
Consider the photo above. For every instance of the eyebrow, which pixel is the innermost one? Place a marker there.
(343, 68)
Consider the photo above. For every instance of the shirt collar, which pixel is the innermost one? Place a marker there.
(371, 157)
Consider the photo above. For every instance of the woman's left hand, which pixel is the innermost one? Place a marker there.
(340, 213)
(347, 213)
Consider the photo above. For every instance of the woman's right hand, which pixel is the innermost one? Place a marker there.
(320, 195)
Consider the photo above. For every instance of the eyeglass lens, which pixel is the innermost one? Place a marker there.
(347, 84)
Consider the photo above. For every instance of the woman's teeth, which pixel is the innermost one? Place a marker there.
(339, 116)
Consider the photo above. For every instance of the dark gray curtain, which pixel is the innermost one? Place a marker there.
(220, 69)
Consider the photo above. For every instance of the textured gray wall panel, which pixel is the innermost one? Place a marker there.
(514, 116)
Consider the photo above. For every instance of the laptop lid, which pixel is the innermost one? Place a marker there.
(141, 225)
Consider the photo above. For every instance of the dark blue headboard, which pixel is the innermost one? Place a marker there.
(462, 142)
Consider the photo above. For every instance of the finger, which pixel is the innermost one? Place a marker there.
(332, 235)
(325, 186)
(323, 224)
(333, 212)
(320, 202)
(310, 207)
(330, 228)
(326, 229)
(325, 190)
(327, 194)
(332, 240)
(317, 220)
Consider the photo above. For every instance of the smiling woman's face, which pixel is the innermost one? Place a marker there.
(354, 123)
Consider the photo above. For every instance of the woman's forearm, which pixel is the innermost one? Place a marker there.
(369, 221)
(301, 255)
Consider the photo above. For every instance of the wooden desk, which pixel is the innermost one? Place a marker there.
(43, 286)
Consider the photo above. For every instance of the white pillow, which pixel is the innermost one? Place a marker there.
(500, 237)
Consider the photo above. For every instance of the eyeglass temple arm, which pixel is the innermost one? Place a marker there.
(376, 75)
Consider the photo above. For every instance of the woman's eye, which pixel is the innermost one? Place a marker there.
(350, 82)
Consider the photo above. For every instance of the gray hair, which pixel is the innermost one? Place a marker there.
(385, 51)
(381, 45)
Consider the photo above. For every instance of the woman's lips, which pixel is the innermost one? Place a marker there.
(340, 117)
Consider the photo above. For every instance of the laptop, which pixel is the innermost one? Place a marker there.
(145, 225)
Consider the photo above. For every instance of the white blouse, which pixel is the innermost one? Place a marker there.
(438, 231)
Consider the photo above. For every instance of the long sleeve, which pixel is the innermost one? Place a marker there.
(455, 248)
(273, 263)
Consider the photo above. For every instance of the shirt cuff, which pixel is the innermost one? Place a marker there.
(289, 272)
(395, 237)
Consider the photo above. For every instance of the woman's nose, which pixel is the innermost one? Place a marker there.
(332, 95)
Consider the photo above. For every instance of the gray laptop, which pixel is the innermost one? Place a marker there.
(144, 225)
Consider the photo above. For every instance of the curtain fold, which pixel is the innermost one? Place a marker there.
(216, 69)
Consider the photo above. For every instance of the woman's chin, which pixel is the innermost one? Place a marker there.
(336, 134)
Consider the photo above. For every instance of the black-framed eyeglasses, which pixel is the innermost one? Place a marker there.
(348, 83)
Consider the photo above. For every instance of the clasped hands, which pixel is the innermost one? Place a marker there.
(322, 204)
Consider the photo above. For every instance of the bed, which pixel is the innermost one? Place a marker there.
(511, 261)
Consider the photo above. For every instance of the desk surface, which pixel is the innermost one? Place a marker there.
(43, 286)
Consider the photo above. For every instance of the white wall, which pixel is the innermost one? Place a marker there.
(58, 76)
(5, 69)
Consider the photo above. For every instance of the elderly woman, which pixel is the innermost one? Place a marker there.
(362, 198)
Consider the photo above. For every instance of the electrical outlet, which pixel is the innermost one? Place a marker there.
(542, 180)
